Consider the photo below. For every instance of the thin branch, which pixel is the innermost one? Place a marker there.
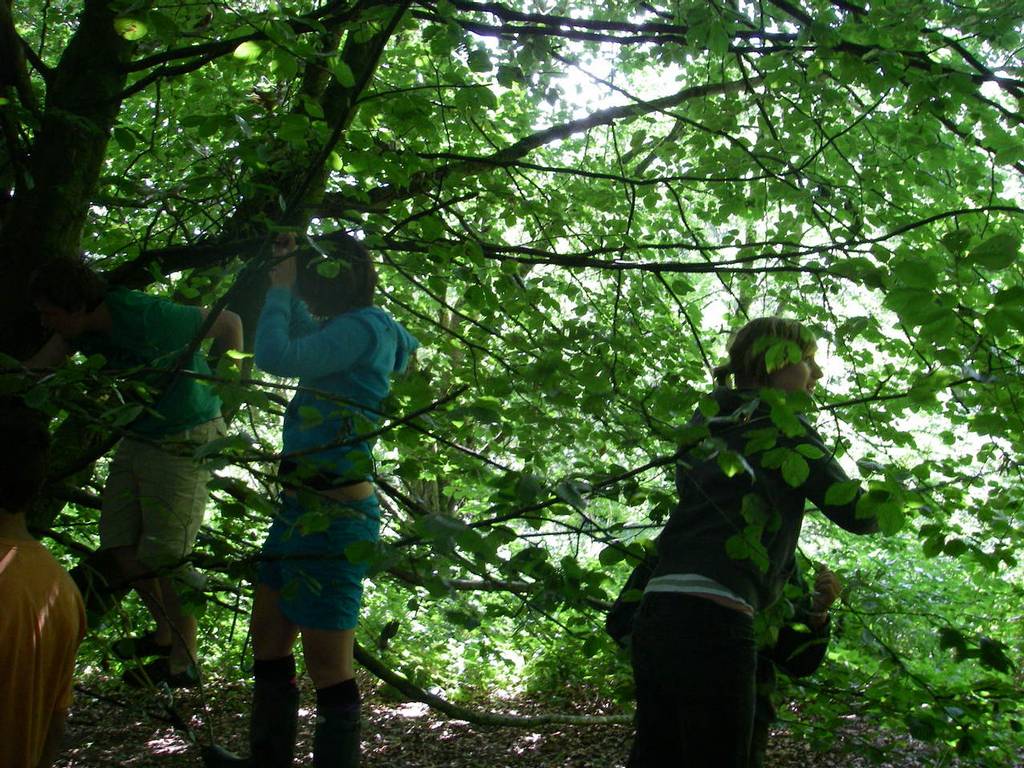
(384, 196)
(476, 716)
(312, 22)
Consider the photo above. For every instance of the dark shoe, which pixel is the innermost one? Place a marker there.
(336, 738)
(272, 730)
(159, 671)
(140, 647)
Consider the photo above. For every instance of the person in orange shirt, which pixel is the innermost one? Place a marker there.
(42, 620)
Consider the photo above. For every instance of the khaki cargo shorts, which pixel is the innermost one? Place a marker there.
(155, 496)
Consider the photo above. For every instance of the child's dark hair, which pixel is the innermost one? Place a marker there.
(24, 455)
(747, 357)
(343, 281)
(68, 283)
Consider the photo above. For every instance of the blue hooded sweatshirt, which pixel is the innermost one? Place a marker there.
(344, 366)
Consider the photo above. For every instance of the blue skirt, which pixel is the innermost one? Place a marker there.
(304, 558)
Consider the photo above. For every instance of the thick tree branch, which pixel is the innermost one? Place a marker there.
(516, 23)
(341, 102)
(384, 196)
(466, 585)
(476, 716)
(922, 61)
(165, 71)
(505, 13)
(329, 16)
(1013, 86)
(46, 219)
(13, 72)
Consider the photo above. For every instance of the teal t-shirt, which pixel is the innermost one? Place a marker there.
(150, 332)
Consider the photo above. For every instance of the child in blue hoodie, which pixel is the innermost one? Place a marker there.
(319, 325)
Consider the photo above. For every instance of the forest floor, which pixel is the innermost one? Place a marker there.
(111, 725)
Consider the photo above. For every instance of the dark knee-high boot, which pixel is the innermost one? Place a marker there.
(336, 738)
(273, 723)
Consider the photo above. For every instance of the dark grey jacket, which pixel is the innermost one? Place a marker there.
(748, 545)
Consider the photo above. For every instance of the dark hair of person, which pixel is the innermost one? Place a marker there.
(747, 356)
(342, 281)
(25, 448)
(68, 283)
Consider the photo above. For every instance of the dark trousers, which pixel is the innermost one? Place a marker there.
(764, 710)
(693, 663)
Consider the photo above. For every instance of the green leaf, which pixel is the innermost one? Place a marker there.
(921, 727)
(774, 458)
(955, 547)
(611, 554)
(932, 546)
(472, 541)
(248, 51)
(754, 510)
(509, 76)
(786, 420)
(284, 65)
(294, 129)
(1010, 155)
(998, 252)
(125, 139)
(485, 98)
(841, 493)
(310, 416)
(528, 488)
(780, 354)
(880, 504)
(343, 73)
(731, 463)
(463, 619)
(570, 491)
(956, 240)
(992, 654)
(313, 108)
(227, 444)
(737, 547)
(951, 638)
(130, 29)
(592, 646)
(809, 451)
(329, 268)
(313, 522)
(126, 414)
(13, 383)
(761, 440)
(480, 61)
(859, 269)
(708, 407)
(795, 469)
(439, 528)
(915, 272)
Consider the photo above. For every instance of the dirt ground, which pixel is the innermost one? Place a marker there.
(111, 725)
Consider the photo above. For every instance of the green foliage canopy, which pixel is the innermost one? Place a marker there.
(573, 203)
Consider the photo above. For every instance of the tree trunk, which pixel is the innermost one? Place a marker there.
(47, 214)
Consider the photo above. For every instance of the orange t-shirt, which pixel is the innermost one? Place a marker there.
(42, 622)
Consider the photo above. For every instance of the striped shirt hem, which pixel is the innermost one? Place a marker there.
(693, 583)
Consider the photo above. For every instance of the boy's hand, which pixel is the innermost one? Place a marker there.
(283, 271)
(827, 589)
(284, 244)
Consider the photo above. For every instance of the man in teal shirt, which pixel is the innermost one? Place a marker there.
(155, 495)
